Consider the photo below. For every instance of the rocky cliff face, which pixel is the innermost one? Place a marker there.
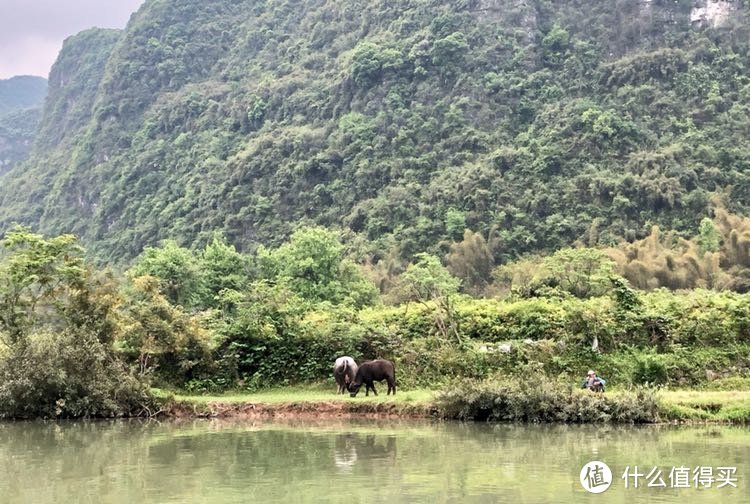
(713, 13)
(520, 13)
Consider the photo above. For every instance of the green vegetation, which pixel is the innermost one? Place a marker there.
(21, 92)
(468, 190)
(706, 406)
(495, 399)
(534, 124)
(536, 400)
(543, 401)
(21, 101)
(77, 342)
(58, 322)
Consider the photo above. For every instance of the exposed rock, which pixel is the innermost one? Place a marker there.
(645, 7)
(516, 13)
(713, 13)
(504, 348)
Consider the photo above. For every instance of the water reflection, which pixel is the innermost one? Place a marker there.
(345, 452)
(375, 461)
(351, 446)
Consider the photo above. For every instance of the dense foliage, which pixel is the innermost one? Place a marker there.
(532, 123)
(538, 400)
(21, 101)
(17, 131)
(58, 322)
(75, 342)
(465, 187)
(285, 322)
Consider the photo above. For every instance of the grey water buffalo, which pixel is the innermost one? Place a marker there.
(344, 371)
(372, 371)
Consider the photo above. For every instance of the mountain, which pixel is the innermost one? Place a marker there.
(21, 92)
(21, 99)
(534, 122)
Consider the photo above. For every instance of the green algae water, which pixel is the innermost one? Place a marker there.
(344, 461)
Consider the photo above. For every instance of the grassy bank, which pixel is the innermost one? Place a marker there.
(480, 402)
(307, 402)
(725, 406)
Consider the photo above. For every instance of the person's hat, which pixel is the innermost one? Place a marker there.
(591, 372)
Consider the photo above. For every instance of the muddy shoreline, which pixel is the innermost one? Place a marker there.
(322, 409)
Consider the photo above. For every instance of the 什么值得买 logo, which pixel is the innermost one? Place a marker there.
(596, 477)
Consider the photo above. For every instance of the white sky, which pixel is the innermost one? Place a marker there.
(32, 31)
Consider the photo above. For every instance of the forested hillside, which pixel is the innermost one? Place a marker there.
(21, 100)
(21, 92)
(536, 123)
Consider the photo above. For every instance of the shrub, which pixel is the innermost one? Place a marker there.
(161, 337)
(67, 374)
(58, 324)
(650, 369)
(543, 401)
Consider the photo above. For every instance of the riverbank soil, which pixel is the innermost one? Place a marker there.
(674, 406)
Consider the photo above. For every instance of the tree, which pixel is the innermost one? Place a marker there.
(161, 336)
(708, 236)
(471, 261)
(455, 222)
(449, 50)
(222, 268)
(517, 276)
(426, 280)
(58, 322)
(312, 265)
(370, 60)
(583, 272)
(554, 45)
(178, 270)
(35, 273)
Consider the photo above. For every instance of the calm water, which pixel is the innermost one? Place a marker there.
(345, 461)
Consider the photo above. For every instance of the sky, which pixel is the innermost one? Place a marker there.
(32, 31)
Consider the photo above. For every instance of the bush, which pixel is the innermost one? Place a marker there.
(58, 325)
(67, 374)
(542, 401)
(161, 338)
(491, 320)
(650, 369)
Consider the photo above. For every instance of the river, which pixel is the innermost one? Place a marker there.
(222, 461)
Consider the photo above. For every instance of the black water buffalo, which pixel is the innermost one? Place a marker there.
(372, 371)
(344, 371)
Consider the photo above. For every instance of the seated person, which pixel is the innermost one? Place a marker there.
(593, 382)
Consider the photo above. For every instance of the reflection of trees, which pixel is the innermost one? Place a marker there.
(353, 446)
(235, 461)
(344, 451)
(379, 447)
